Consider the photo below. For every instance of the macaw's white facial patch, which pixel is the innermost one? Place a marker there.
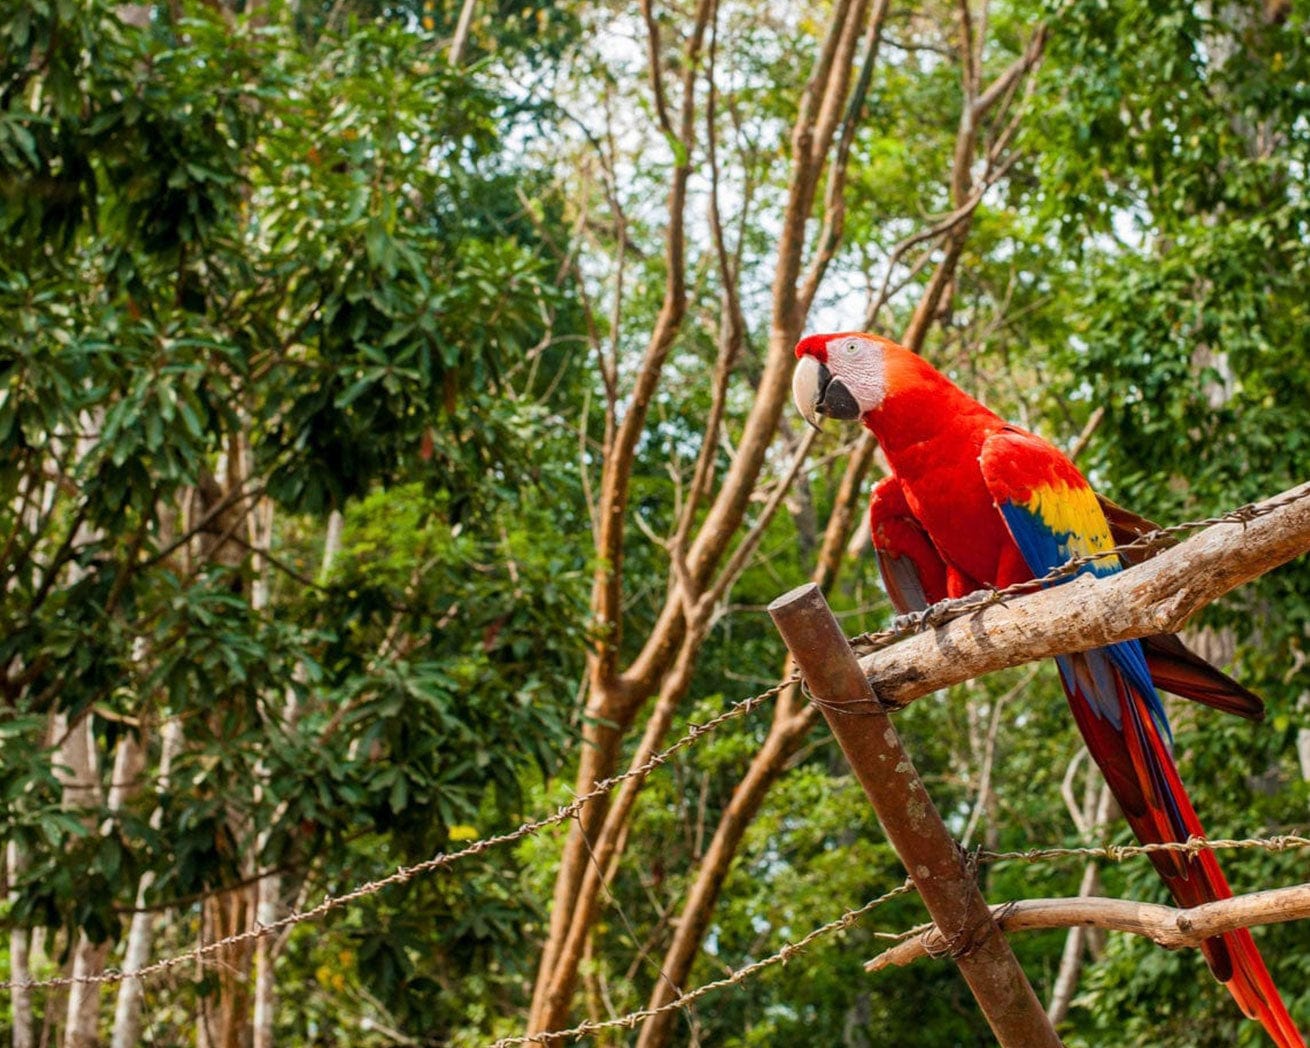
(858, 362)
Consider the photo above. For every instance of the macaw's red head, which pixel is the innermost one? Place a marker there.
(844, 375)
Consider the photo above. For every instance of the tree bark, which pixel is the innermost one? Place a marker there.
(460, 40)
(224, 1016)
(765, 769)
(1157, 596)
(24, 1032)
(136, 954)
(609, 842)
(78, 772)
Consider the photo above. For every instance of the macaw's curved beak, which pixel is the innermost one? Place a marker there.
(817, 393)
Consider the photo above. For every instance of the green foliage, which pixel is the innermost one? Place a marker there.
(1196, 341)
(246, 267)
(292, 260)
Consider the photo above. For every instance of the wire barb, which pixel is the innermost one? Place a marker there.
(781, 956)
(929, 617)
(404, 874)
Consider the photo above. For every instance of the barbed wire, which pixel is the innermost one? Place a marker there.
(944, 611)
(404, 874)
(1120, 852)
(1113, 852)
(781, 956)
(905, 625)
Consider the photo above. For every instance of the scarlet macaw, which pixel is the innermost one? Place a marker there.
(974, 501)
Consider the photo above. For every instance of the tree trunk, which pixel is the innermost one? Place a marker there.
(136, 954)
(24, 1034)
(268, 905)
(224, 1016)
(616, 697)
(78, 772)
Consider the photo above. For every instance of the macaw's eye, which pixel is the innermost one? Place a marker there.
(852, 346)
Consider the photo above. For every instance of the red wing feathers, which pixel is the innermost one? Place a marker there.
(1184, 673)
(912, 569)
(915, 576)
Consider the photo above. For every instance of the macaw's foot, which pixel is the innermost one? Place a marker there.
(910, 622)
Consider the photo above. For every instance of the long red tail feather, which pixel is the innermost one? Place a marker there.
(1181, 672)
(1144, 779)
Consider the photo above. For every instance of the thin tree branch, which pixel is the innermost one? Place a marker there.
(741, 555)
(460, 40)
(1171, 927)
(732, 326)
(1016, 69)
(654, 59)
(607, 598)
(834, 201)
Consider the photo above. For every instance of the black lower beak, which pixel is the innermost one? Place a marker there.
(835, 400)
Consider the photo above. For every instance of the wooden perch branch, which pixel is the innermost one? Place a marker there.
(913, 825)
(1157, 596)
(1170, 927)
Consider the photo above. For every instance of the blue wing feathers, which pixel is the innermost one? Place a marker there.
(1131, 660)
(1044, 548)
(1036, 541)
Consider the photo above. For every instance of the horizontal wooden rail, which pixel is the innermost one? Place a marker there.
(1157, 596)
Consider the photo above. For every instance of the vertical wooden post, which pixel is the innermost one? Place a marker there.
(912, 823)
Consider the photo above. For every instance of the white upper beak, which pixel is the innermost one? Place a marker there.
(805, 381)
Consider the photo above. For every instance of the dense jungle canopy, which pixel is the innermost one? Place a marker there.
(395, 439)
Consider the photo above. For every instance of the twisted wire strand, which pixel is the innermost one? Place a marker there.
(781, 956)
(403, 874)
(934, 615)
(1120, 852)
